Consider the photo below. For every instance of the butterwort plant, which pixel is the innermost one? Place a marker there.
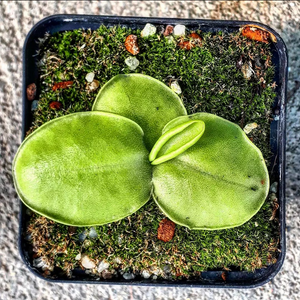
(97, 167)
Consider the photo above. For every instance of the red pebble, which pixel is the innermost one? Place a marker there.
(61, 85)
(195, 36)
(188, 45)
(31, 91)
(169, 30)
(55, 105)
(166, 230)
(131, 44)
(256, 34)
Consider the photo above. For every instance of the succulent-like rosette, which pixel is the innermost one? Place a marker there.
(93, 168)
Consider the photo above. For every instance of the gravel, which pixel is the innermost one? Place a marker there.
(17, 18)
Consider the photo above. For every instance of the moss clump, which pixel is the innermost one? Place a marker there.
(211, 80)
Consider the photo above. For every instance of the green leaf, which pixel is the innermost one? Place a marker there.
(143, 99)
(176, 140)
(220, 182)
(88, 168)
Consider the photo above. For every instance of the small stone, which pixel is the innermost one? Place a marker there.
(256, 224)
(154, 277)
(90, 77)
(31, 91)
(169, 30)
(132, 62)
(274, 187)
(155, 270)
(175, 87)
(41, 262)
(148, 30)
(103, 265)
(247, 70)
(72, 230)
(179, 30)
(82, 236)
(186, 45)
(94, 85)
(196, 37)
(128, 276)
(55, 105)
(166, 230)
(107, 274)
(255, 33)
(145, 274)
(93, 233)
(120, 240)
(167, 269)
(78, 256)
(249, 127)
(131, 44)
(34, 105)
(62, 85)
(87, 262)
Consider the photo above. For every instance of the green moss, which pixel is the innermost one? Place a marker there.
(211, 82)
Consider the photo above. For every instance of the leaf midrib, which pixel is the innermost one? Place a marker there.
(216, 177)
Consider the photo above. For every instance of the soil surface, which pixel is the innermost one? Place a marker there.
(17, 18)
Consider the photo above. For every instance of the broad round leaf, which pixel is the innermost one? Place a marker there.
(87, 168)
(143, 99)
(219, 182)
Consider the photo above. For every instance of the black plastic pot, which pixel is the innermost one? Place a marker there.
(234, 279)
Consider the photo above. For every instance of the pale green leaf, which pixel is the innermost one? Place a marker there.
(143, 99)
(220, 182)
(176, 140)
(88, 168)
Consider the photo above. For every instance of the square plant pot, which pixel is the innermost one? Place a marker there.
(213, 278)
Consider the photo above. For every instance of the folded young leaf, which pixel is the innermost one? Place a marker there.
(176, 140)
(88, 168)
(143, 99)
(220, 182)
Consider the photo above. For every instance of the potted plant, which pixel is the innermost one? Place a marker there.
(216, 70)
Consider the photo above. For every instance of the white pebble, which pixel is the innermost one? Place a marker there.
(175, 87)
(78, 256)
(148, 30)
(103, 265)
(90, 77)
(132, 62)
(274, 187)
(179, 30)
(128, 276)
(82, 236)
(34, 105)
(249, 127)
(93, 233)
(41, 262)
(87, 262)
(145, 274)
(247, 70)
(94, 85)
(156, 270)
